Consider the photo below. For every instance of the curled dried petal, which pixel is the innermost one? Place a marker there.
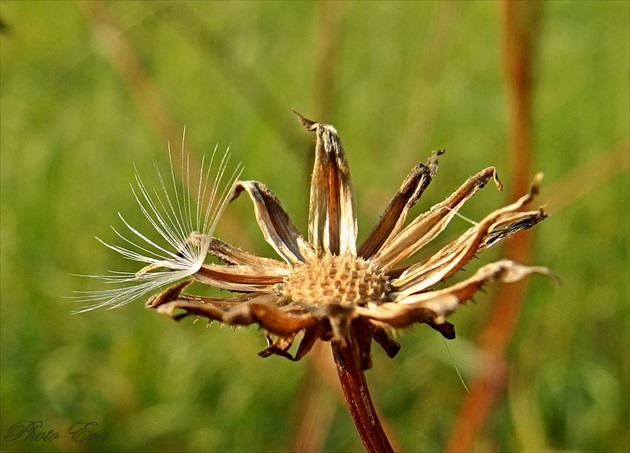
(276, 225)
(443, 302)
(236, 278)
(332, 225)
(278, 322)
(232, 255)
(259, 309)
(456, 254)
(393, 218)
(428, 225)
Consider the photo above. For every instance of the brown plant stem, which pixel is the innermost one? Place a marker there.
(518, 34)
(358, 399)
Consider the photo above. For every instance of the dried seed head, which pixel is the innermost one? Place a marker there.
(325, 287)
(337, 279)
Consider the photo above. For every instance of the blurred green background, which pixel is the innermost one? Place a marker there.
(89, 89)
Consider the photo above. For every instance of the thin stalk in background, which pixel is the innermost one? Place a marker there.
(244, 78)
(436, 53)
(146, 95)
(519, 28)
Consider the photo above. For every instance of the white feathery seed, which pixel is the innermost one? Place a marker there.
(184, 217)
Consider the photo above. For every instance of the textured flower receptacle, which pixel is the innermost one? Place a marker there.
(337, 279)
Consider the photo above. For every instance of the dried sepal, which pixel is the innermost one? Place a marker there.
(281, 345)
(169, 294)
(382, 336)
(278, 346)
(453, 256)
(232, 255)
(332, 225)
(276, 225)
(259, 310)
(427, 226)
(236, 278)
(393, 218)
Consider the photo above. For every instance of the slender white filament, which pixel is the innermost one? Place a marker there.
(183, 215)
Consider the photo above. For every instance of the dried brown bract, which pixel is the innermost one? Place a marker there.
(328, 289)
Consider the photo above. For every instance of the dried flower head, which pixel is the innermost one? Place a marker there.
(326, 288)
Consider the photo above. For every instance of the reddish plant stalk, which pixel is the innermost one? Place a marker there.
(358, 399)
(519, 22)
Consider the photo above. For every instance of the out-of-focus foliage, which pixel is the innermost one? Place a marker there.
(408, 78)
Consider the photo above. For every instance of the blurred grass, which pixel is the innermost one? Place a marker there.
(70, 134)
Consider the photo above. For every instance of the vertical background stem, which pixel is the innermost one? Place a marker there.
(518, 32)
(147, 96)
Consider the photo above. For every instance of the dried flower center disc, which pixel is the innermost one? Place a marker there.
(334, 279)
